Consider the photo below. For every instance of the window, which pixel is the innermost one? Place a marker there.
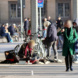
(14, 10)
(63, 9)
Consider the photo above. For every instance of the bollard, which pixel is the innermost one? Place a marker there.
(32, 73)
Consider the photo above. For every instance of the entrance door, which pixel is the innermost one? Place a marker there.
(63, 9)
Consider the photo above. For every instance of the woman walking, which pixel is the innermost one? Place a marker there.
(70, 37)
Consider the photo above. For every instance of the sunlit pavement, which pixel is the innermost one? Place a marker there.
(52, 70)
(37, 71)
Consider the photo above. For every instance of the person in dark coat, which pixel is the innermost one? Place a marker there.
(49, 19)
(70, 37)
(75, 26)
(26, 24)
(59, 23)
(1, 29)
(25, 52)
(52, 40)
(11, 30)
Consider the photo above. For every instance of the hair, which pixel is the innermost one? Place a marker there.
(68, 22)
(32, 42)
(47, 23)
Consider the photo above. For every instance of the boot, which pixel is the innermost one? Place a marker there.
(67, 64)
(71, 64)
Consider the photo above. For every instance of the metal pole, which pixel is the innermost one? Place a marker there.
(21, 20)
(40, 21)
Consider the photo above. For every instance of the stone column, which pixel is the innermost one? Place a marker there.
(75, 9)
(34, 15)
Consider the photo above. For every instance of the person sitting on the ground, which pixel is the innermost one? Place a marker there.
(5, 33)
(26, 51)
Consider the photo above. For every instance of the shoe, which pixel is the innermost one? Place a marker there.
(71, 69)
(67, 70)
(47, 62)
(11, 41)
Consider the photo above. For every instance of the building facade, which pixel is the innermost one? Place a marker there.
(67, 9)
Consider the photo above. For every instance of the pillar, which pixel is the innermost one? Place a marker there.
(75, 9)
(34, 15)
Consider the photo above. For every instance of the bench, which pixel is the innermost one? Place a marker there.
(4, 40)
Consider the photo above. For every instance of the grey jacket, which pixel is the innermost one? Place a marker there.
(52, 33)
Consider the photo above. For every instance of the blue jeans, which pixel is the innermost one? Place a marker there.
(7, 36)
(60, 41)
(44, 33)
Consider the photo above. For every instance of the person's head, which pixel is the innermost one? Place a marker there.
(49, 18)
(14, 25)
(29, 19)
(68, 24)
(6, 26)
(25, 19)
(74, 24)
(45, 19)
(31, 43)
(59, 18)
(3, 25)
(47, 23)
(7, 53)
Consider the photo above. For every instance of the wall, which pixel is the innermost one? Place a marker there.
(51, 9)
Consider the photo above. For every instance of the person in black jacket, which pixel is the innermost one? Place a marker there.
(59, 23)
(11, 30)
(49, 19)
(26, 24)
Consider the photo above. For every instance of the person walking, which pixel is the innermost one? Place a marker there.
(51, 40)
(59, 23)
(70, 37)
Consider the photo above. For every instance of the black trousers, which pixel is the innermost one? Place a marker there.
(68, 60)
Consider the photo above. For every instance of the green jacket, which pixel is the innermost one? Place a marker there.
(69, 41)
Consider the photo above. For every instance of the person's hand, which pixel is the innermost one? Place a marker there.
(24, 57)
(62, 30)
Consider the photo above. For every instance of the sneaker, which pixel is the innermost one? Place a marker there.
(11, 41)
(58, 60)
(41, 63)
(47, 62)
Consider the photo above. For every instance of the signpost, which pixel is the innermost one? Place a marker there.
(21, 20)
(40, 5)
(21, 5)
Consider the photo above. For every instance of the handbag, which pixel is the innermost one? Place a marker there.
(46, 41)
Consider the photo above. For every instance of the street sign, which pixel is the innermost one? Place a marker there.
(40, 3)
